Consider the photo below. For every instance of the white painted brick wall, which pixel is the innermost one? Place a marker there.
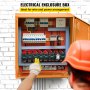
(8, 8)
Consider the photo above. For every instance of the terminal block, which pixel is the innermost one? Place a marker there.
(48, 67)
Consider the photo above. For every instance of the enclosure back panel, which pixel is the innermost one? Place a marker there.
(45, 37)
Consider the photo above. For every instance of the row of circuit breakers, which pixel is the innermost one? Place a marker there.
(44, 55)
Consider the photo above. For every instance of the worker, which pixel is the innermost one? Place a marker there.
(78, 61)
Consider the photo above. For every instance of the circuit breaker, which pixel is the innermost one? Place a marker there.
(44, 37)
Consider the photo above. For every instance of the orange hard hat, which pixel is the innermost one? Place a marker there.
(78, 55)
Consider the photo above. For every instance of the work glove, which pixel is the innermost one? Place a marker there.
(35, 67)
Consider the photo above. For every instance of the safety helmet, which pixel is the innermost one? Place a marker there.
(78, 55)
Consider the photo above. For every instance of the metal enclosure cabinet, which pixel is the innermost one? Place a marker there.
(46, 37)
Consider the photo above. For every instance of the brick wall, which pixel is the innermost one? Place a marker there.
(8, 8)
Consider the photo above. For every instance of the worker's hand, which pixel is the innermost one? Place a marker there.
(35, 67)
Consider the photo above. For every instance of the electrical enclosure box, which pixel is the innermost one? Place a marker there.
(46, 37)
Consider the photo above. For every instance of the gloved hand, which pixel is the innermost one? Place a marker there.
(35, 67)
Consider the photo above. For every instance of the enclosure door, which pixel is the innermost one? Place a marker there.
(81, 30)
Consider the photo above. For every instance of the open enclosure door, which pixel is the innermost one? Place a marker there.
(82, 30)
